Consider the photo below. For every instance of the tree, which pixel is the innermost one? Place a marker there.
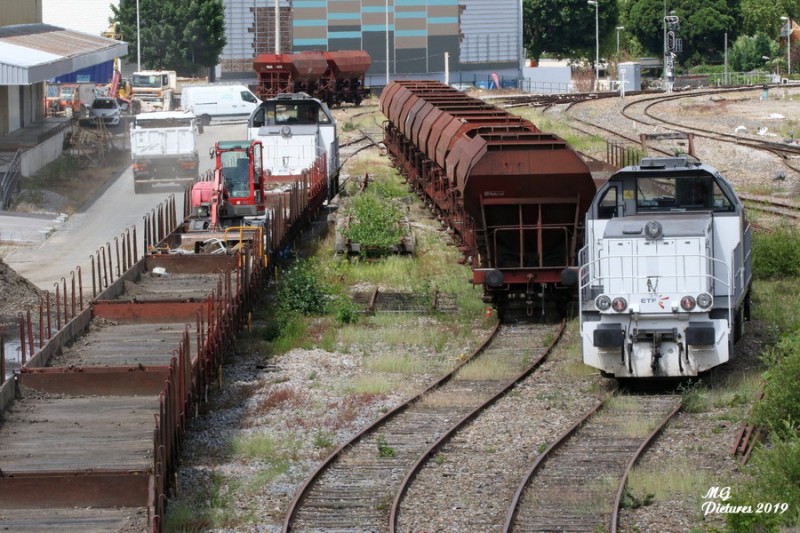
(704, 24)
(702, 28)
(566, 28)
(749, 53)
(644, 20)
(180, 35)
(758, 15)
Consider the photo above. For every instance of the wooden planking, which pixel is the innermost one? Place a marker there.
(93, 433)
(78, 520)
(110, 344)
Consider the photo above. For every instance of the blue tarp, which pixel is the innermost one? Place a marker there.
(100, 73)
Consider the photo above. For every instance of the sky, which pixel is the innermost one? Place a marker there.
(88, 16)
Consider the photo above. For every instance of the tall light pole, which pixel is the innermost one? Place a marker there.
(788, 22)
(387, 42)
(138, 41)
(619, 29)
(595, 3)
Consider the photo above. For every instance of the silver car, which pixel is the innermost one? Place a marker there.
(107, 109)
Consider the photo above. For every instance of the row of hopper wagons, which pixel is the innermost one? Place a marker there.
(334, 77)
(114, 367)
(657, 256)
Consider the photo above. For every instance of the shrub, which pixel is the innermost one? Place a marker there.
(300, 291)
(344, 310)
(776, 254)
(376, 222)
(776, 481)
(779, 410)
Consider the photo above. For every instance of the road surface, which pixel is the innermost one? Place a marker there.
(71, 243)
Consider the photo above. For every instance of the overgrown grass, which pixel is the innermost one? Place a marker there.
(666, 479)
(391, 363)
(486, 368)
(267, 448)
(371, 385)
(391, 330)
(442, 398)
(558, 125)
(217, 509)
(737, 391)
(774, 471)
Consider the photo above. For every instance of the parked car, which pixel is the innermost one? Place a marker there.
(106, 108)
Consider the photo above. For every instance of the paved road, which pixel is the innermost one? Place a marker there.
(72, 242)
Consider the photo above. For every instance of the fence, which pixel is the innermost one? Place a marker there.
(9, 182)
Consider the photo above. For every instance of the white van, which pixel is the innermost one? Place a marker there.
(218, 102)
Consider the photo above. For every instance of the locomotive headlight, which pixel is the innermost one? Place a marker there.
(704, 300)
(619, 304)
(286, 131)
(653, 229)
(602, 302)
(688, 303)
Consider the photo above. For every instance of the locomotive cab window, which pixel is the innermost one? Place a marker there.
(683, 193)
(283, 113)
(607, 206)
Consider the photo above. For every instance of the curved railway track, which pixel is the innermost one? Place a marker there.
(578, 483)
(767, 205)
(784, 152)
(354, 489)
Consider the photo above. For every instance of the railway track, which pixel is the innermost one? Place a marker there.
(359, 486)
(578, 483)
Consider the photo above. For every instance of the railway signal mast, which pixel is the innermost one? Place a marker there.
(672, 45)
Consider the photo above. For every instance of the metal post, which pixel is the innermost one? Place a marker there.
(619, 28)
(387, 42)
(277, 27)
(138, 40)
(596, 41)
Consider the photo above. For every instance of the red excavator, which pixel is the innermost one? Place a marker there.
(236, 189)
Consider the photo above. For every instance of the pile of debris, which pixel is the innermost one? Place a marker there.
(19, 295)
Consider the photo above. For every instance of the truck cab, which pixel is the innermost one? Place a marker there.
(154, 88)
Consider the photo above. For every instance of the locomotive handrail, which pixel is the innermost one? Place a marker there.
(584, 287)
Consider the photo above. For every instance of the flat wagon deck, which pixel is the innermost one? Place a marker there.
(115, 394)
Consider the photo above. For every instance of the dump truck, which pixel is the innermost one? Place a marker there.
(164, 149)
(154, 89)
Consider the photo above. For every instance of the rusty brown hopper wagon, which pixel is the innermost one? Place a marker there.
(334, 77)
(514, 195)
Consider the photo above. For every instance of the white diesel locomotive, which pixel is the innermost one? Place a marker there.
(665, 276)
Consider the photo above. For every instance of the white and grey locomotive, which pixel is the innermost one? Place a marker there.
(665, 275)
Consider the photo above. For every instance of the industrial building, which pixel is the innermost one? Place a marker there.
(470, 40)
(30, 54)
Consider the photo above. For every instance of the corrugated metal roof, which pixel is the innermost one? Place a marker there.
(30, 53)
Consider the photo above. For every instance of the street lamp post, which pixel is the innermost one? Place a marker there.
(596, 5)
(788, 22)
(387, 42)
(619, 29)
(138, 41)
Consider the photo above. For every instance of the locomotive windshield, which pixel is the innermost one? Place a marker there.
(279, 113)
(680, 193)
(644, 194)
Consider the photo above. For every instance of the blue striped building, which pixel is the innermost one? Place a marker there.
(481, 37)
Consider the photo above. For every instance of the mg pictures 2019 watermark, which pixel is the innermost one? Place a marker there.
(723, 507)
